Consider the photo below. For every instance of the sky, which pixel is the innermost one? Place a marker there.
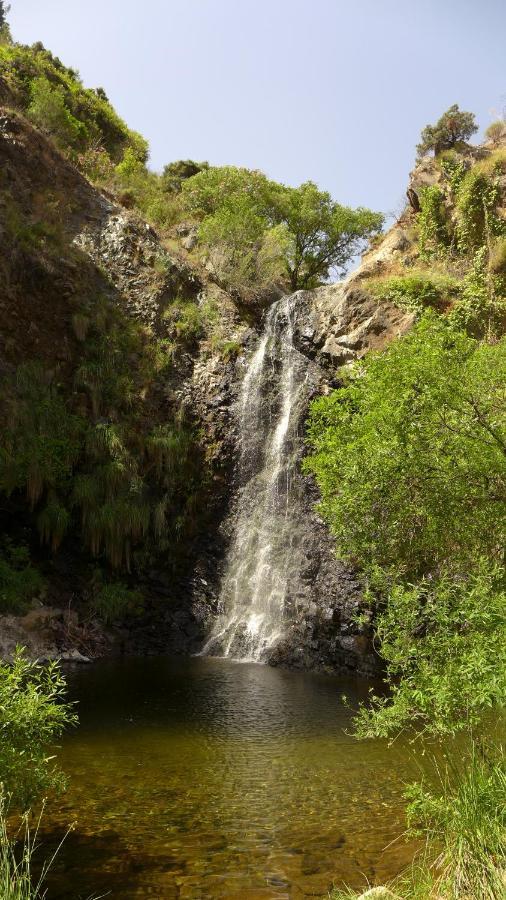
(335, 91)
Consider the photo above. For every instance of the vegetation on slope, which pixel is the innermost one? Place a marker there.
(410, 457)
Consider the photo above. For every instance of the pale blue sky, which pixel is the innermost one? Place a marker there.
(335, 91)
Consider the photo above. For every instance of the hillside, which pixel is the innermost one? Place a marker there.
(118, 337)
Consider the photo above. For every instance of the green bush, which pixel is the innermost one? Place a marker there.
(432, 225)
(416, 291)
(115, 602)
(33, 715)
(409, 458)
(48, 111)
(19, 581)
(98, 124)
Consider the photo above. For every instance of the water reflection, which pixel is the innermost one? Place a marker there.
(205, 778)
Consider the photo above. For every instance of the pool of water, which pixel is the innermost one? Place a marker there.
(206, 778)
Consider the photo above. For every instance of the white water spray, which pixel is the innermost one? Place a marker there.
(259, 587)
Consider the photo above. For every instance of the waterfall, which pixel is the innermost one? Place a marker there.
(259, 586)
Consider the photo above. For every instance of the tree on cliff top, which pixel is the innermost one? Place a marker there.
(453, 126)
(244, 213)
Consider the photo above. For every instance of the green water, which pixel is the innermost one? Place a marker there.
(206, 778)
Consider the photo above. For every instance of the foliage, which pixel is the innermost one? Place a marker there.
(416, 290)
(257, 223)
(496, 131)
(33, 715)
(409, 457)
(115, 601)
(323, 235)
(432, 225)
(444, 643)
(4, 9)
(481, 309)
(466, 818)
(20, 582)
(476, 203)
(48, 110)
(453, 126)
(5, 34)
(175, 173)
(35, 75)
(409, 454)
(133, 484)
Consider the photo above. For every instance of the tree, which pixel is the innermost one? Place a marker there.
(311, 234)
(323, 236)
(410, 458)
(453, 126)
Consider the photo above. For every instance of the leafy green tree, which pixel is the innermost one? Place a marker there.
(410, 453)
(410, 458)
(314, 236)
(323, 236)
(33, 715)
(454, 125)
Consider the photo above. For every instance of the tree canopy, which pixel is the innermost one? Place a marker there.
(410, 457)
(300, 231)
(454, 125)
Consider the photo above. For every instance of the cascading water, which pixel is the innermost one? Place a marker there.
(260, 583)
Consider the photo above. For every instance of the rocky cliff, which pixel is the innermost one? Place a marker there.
(67, 250)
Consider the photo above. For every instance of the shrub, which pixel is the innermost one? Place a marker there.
(476, 204)
(416, 291)
(424, 426)
(115, 601)
(453, 126)
(33, 715)
(175, 173)
(496, 131)
(19, 581)
(48, 110)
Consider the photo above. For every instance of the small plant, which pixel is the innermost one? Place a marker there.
(16, 853)
(33, 715)
(416, 291)
(115, 601)
(19, 581)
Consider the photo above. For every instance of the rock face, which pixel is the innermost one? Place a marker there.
(94, 247)
(327, 328)
(341, 322)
